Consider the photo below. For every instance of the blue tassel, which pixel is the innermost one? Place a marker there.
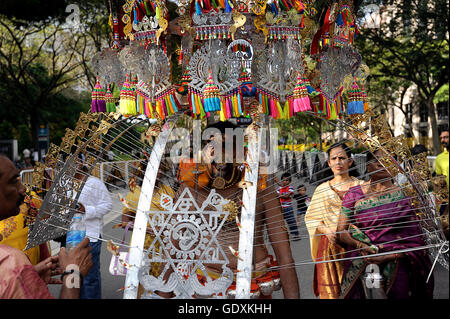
(227, 6)
(194, 109)
(351, 107)
(239, 103)
(340, 20)
(198, 9)
(274, 8)
(174, 105)
(359, 107)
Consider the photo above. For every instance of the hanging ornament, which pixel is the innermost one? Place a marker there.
(127, 104)
(185, 79)
(98, 98)
(355, 98)
(211, 95)
(109, 99)
(300, 98)
(247, 88)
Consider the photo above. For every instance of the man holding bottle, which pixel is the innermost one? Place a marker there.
(15, 267)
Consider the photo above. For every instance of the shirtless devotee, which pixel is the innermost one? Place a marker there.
(225, 179)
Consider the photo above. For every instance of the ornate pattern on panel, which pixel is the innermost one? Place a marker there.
(213, 56)
(334, 65)
(187, 235)
(276, 70)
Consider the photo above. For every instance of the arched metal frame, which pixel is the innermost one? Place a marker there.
(65, 192)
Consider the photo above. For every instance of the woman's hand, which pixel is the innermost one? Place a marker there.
(48, 268)
(379, 259)
(366, 249)
(331, 235)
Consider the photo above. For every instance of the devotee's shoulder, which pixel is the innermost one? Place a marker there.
(11, 258)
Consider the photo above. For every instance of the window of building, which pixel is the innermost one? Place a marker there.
(423, 113)
(409, 112)
(442, 110)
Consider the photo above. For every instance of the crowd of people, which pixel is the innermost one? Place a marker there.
(348, 220)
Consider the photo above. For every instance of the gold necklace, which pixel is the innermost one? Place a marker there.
(221, 183)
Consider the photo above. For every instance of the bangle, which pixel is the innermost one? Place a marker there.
(71, 272)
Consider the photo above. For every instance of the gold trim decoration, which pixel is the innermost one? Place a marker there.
(51, 159)
(399, 146)
(104, 127)
(389, 164)
(440, 188)
(68, 140)
(233, 210)
(37, 177)
(163, 24)
(421, 168)
(381, 128)
(126, 19)
(238, 18)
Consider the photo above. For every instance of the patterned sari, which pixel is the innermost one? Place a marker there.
(325, 208)
(389, 222)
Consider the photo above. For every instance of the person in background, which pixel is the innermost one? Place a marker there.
(16, 268)
(27, 162)
(442, 160)
(302, 202)
(321, 220)
(95, 201)
(286, 193)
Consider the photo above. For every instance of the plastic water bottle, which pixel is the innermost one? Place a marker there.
(76, 233)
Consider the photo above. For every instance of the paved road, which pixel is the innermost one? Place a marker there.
(111, 285)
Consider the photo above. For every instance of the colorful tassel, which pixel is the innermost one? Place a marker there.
(98, 103)
(301, 101)
(127, 104)
(109, 99)
(355, 97)
(211, 95)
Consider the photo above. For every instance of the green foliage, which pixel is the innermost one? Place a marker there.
(302, 128)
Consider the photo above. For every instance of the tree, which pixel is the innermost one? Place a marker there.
(410, 46)
(43, 57)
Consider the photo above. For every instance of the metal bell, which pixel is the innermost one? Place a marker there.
(231, 294)
(276, 284)
(266, 288)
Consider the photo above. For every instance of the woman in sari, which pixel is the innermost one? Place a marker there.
(321, 220)
(377, 217)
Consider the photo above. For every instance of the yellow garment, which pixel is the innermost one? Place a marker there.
(325, 207)
(442, 164)
(132, 200)
(14, 233)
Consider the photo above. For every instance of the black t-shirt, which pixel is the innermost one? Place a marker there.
(300, 199)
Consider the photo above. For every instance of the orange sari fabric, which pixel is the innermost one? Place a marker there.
(328, 276)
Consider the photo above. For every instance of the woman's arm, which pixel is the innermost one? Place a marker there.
(344, 236)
